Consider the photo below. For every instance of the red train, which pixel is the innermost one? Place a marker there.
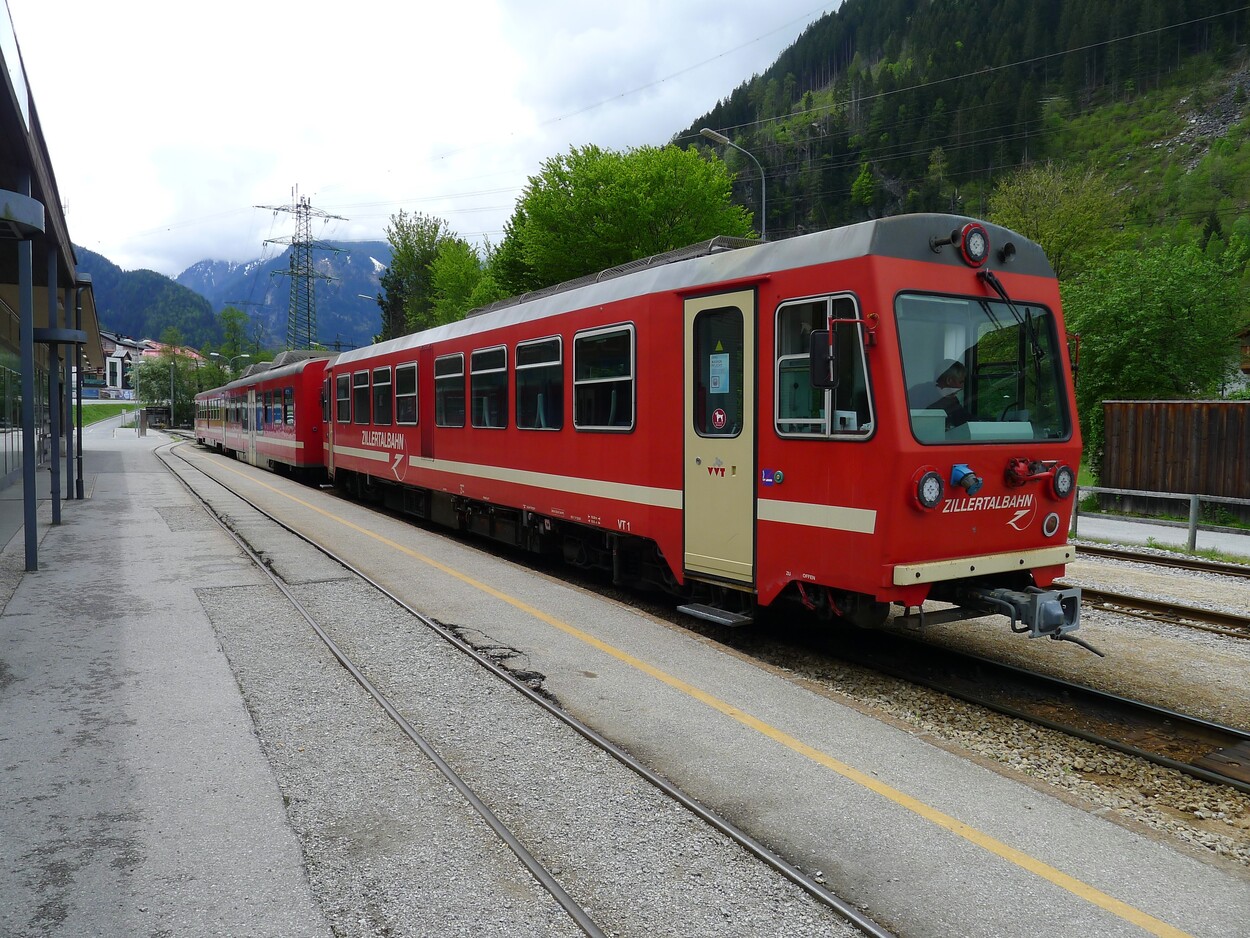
(881, 413)
(262, 417)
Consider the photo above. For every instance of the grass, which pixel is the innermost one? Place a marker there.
(94, 413)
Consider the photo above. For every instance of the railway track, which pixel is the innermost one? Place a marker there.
(545, 877)
(1231, 624)
(1200, 748)
(1175, 561)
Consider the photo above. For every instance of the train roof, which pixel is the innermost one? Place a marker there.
(908, 237)
(290, 362)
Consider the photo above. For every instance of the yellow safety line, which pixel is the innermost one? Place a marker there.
(1021, 859)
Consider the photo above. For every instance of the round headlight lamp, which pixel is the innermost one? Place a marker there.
(974, 244)
(930, 488)
(1062, 481)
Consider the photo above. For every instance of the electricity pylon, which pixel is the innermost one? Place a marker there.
(301, 323)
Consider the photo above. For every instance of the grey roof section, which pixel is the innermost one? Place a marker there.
(903, 236)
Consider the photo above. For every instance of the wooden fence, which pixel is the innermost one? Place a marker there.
(1200, 447)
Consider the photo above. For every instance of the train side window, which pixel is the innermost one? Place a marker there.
(360, 397)
(288, 406)
(325, 401)
(488, 387)
(382, 401)
(449, 390)
(406, 394)
(603, 379)
(343, 398)
(806, 411)
(540, 384)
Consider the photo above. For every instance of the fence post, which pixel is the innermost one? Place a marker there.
(1193, 522)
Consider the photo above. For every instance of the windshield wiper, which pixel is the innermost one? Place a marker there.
(1027, 321)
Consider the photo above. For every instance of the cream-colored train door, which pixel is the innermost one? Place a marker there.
(250, 420)
(720, 436)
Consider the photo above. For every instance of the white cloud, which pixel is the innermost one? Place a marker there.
(166, 124)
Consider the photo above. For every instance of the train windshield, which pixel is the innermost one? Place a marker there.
(981, 370)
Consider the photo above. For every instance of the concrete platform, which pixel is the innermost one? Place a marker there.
(137, 799)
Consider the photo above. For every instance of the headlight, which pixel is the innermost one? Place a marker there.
(930, 489)
(1062, 481)
(974, 244)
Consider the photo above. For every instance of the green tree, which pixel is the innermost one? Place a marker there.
(1070, 212)
(455, 273)
(592, 209)
(170, 378)
(407, 293)
(233, 323)
(1156, 323)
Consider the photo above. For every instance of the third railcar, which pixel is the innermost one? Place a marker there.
(876, 414)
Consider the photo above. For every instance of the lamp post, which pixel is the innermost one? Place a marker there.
(721, 138)
(229, 361)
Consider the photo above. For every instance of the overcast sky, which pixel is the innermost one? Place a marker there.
(168, 122)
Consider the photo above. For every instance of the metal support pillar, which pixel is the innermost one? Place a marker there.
(78, 390)
(54, 388)
(26, 314)
(67, 386)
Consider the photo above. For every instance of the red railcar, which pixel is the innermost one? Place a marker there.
(876, 414)
(271, 416)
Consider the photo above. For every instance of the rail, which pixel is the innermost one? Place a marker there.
(1195, 502)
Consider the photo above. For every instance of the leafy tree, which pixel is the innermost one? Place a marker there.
(408, 294)
(1068, 211)
(172, 377)
(455, 273)
(233, 323)
(1156, 323)
(591, 209)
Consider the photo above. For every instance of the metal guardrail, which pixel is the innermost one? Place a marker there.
(1194, 505)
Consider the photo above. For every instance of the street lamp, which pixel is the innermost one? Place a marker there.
(721, 138)
(229, 361)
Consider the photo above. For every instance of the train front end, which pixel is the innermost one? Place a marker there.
(988, 439)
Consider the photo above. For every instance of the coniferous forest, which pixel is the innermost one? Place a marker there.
(885, 106)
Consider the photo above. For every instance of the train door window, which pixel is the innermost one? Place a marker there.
(488, 387)
(449, 391)
(382, 401)
(718, 368)
(406, 394)
(540, 384)
(325, 401)
(603, 379)
(360, 397)
(288, 406)
(803, 410)
(343, 398)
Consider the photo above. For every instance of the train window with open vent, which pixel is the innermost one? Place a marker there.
(288, 406)
(406, 394)
(382, 405)
(488, 385)
(540, 384)
(343, 398)
(603, 379)
(449, 390)
(807, 411)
